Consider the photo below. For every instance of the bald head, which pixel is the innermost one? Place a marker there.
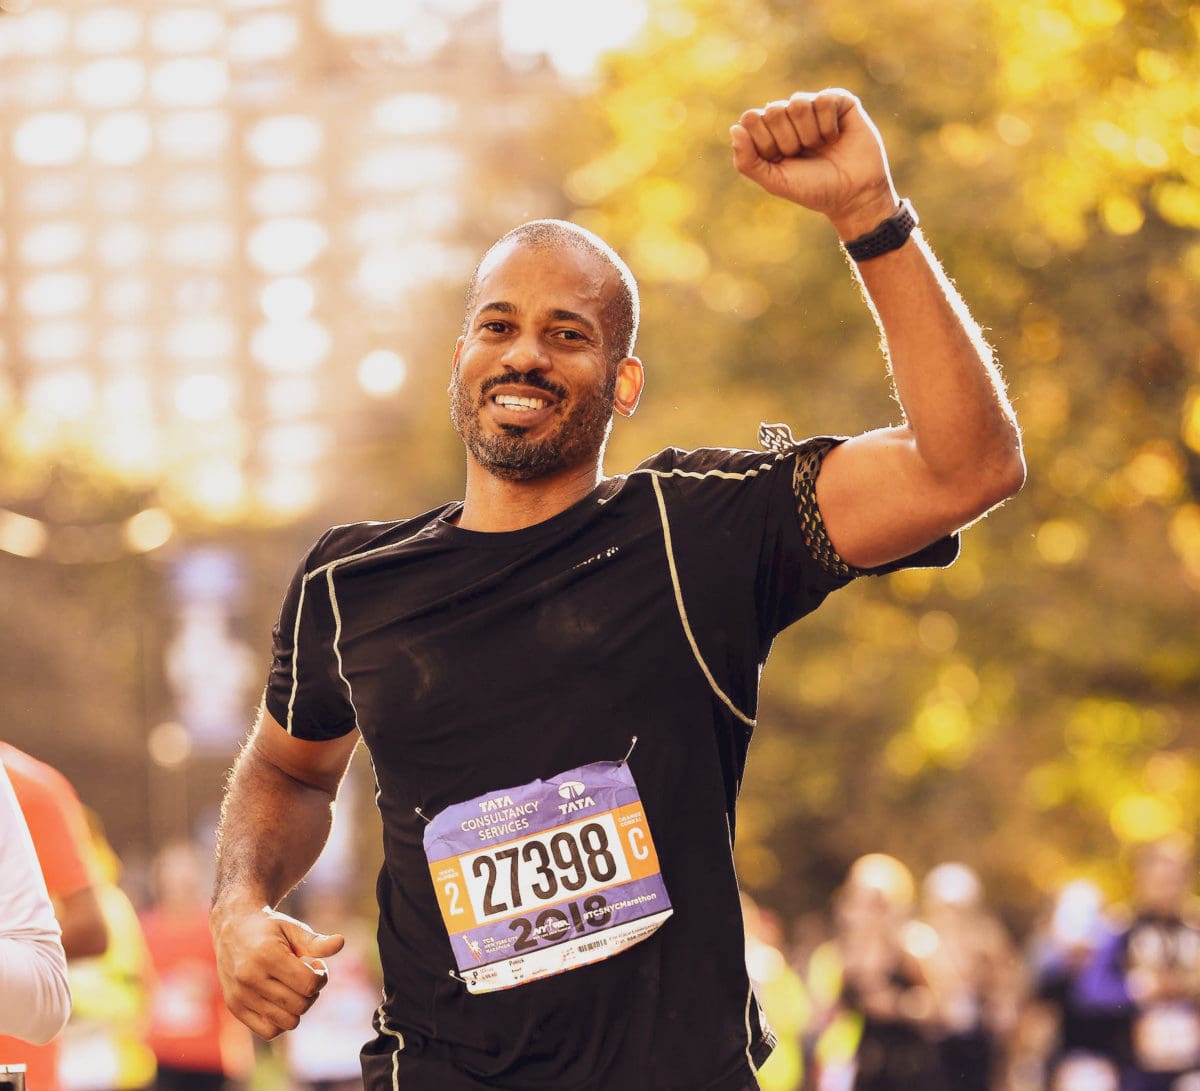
(621, 307)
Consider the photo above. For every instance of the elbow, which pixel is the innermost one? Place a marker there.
(989, 483)
(1009, 474)
(1000, 473)
(55, 1014)
(90, 941)
(84, 932)
(44, 992)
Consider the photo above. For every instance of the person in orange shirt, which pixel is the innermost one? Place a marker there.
(199, 1045)
(59, 831)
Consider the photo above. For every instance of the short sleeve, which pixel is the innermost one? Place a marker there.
(306, 692)
(58, 826)
(793, 582)
(739, 557)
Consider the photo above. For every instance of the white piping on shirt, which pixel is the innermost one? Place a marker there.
(727, 475)
(698, 474)
(654, 477)
(749, 1033)
(328, 568)
(337, 641)
(296, 654)
(687, 628)
(385, 1029)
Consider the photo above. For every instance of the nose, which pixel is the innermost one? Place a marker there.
(526, 353)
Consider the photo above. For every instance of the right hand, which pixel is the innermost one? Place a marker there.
(271, 967)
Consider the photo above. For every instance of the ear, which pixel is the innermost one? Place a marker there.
(458, 347)
(631, 377)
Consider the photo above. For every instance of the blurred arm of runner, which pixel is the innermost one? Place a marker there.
(888, 492)
(275, 820)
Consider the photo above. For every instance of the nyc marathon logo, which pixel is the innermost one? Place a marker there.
(575, 794)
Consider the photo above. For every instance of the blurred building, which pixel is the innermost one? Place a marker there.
(215, 216)
(221, 226)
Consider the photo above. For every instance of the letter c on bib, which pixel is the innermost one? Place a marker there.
(637, 843)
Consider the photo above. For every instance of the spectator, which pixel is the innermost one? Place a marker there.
(34, 996)
(977, 969)
(782, 994)
(198, 1044)
(322, 1052)
(1077, 1043)
(878, 1036)
(60, 837)
(1149, 975)
(104, 1046)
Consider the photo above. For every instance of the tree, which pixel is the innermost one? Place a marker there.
(1031, 709)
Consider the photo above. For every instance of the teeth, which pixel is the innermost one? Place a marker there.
(509, 401)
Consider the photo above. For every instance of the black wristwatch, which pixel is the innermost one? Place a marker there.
(890, 235)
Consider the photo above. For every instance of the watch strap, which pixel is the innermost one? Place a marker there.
(890, 235)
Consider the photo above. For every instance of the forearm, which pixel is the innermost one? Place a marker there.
(945, 377)
(887, 493)
(273, 826)
(84, 931)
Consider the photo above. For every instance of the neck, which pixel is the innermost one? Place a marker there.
(493, 505)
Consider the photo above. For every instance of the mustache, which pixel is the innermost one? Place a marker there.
(531, 379)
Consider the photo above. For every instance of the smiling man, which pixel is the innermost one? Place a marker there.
(544, 360)
(557, 676)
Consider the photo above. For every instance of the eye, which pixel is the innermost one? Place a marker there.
(494, 326)
(571, 335)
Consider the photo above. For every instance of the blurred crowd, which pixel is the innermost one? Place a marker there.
(897, 987)
(146, 1007)
(894, 986)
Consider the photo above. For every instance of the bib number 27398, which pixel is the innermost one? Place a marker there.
(547, 876)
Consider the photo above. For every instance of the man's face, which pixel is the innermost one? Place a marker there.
(532, 389)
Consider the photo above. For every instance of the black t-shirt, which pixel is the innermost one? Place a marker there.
(474, 661)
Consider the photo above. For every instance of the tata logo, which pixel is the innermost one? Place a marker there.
(575, 794)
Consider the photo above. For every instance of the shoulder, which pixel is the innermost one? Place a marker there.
(38, 787)
(348, 541)
(703, 463)
(777, 447)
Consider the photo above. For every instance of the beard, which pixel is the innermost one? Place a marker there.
(579, 438)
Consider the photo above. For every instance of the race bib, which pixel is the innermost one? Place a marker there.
(545, 877)
(1166, 1038)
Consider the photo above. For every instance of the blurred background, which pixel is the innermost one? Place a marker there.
(234, 238)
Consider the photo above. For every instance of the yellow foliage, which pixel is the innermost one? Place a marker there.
(937, 632)
(1121, 214)
(904, 756)
(1070, 128)
(912, 584)
(1178, 203)
(945, 731)
(1156, 472)
(959, 680)
(1097, 14)
(1061, 541)
(663, 255)
(965, 578)
(1013, 130)
(964, 144)
(1184, 535)
(665, 201)
(1136, 818)
(1169, 773)
(1049, 785)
